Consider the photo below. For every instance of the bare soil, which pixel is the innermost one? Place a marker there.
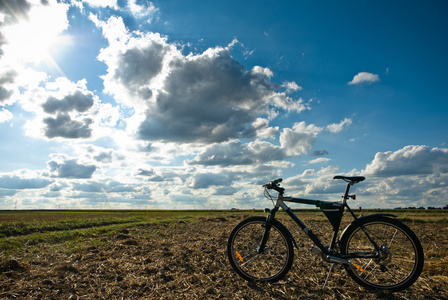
(188, 260)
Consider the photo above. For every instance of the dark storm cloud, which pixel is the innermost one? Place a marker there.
(77, 102)
(319, 153)
(4, 94)
(7, 77)
(70, 168)
(137, 66)
(207, 99)
(63, 126)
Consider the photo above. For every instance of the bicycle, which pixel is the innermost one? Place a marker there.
(378, 251)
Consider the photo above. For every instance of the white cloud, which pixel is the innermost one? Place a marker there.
(62, 166)
(149, 174)
(208, 98)
(320, 182)
(64, 110)
(102, 3)
(144, 11)
(198, 98)
(299, 180)
(206, 180)
(114, 29)
(262, 130)
(5, 115)
(411, 160)
(338, 127)
(299, 139)
(364, 77)
(411, 176)
(4, 193)
(319, 160)
(289, 104)
(237, 153)
(264, 72)
(291, 86)
(23, 179)
(96, 155)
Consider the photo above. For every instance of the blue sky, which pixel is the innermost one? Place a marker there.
(195, 104)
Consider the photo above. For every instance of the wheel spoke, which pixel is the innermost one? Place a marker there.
(270, 265)
(392, 239)
(396, 264)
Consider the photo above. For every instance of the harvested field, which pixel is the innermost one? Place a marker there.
(186, 259)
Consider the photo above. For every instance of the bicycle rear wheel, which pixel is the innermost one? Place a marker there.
(397, 264)
(272, 263)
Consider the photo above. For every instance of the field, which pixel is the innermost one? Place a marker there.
(180, 255)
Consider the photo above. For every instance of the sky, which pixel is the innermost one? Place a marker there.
(115, 104)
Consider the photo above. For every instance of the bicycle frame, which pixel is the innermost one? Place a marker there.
(332, 210)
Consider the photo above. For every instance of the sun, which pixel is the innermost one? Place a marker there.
(33, 39)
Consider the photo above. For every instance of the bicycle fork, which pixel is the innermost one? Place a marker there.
(267, 230)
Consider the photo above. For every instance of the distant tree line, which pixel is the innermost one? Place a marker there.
(421, 207)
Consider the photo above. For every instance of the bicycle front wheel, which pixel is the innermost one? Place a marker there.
(269, 265)
(394, 265)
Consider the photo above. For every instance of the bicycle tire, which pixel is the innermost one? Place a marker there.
(269, 266)
(401, 257)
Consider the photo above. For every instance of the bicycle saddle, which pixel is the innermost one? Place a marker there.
(354, 179)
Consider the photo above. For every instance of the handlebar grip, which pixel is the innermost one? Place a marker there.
(274, 185)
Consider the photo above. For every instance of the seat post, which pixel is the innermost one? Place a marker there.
(347, 190)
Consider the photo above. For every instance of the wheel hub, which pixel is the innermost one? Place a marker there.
(384, 257)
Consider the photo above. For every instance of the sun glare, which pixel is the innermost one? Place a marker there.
(33, 40)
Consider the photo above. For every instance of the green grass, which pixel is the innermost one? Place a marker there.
(15, 235)
(18, 228)
(22, 228)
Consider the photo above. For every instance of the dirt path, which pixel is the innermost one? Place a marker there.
(174, 261)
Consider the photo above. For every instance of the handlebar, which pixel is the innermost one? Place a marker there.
(273, 185)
